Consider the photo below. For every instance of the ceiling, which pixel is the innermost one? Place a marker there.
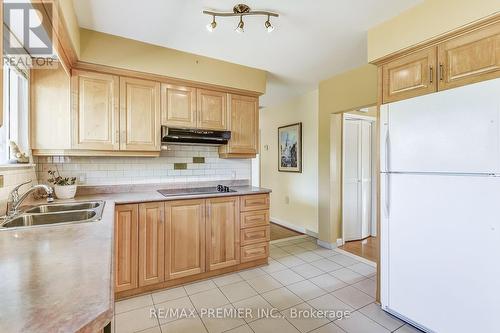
(313, 40)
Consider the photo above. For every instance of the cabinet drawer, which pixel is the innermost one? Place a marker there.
(255, 235)
(254, 252)
(256, 218)
(254, 202)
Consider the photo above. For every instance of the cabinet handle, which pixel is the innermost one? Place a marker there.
(441, 72)
(431, 74)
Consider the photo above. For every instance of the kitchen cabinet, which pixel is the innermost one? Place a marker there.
(222, 232)
(255, 235)
(139, 114)
(254, 252)
(126, 253)
(254, 202)
(178, 106)
(256, 218)
(410, 76)
(151, 243)
(243, 115)
(470, 58)
(211, 109)
(95, 111)
(184, 238)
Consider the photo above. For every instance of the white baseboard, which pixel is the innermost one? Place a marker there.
(327, 245)
(294, 227)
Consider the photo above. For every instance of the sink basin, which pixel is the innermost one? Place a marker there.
(59, 213)
(51, 218)
(64, 207)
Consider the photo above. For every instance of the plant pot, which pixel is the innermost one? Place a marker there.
(65, 192)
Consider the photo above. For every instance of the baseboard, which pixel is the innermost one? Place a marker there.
(327, 245)
(294, 227)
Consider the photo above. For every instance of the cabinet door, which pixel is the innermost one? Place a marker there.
(184, 238)
(244, 126)
(211, 109)
(470, 58)
(410, 76)
(95, 114)
(223, 232)
(126, 256)
(178, 107)
(151, 243)
(139, 115)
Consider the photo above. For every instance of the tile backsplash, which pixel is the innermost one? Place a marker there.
(141, 170)
(13, 176)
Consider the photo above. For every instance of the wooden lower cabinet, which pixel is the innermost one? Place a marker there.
(126, 254)
(184, 238)
(162, 244)
(223, 232)
(151, 243)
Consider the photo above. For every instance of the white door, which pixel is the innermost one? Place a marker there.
(455, 130)
(356, 201)
(440, 244)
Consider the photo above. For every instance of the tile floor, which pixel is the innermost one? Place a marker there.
(301, 277)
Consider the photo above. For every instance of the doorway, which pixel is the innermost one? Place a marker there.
(358, 182)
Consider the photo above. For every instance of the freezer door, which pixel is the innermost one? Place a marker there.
(441, 266)
(455, 131)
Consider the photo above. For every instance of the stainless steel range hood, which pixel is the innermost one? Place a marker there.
(170, 135)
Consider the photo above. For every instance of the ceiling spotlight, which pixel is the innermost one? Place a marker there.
(241, 26)
(268, 25)
(212, 26)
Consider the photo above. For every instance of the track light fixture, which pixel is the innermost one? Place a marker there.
(212, 26)
(241, 10)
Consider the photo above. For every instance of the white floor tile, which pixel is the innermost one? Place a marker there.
(293, 249)
(256, 304)
(155, 329)
(273, 266)
(168, 295)
(133, 303)
(300, 317)
(197, 287)
(287, 276)
(307, 271)
(238, 291)
(309, 256)
(328, 282)
(209, 299)
(358, 323)
(347, 275)
(277, 253)
(344, 260)
(291, 261)
(187, 325)
(407, 329)
(281, 298)
(326, 265)
(135, 320)
(329, 328)
(241, 329)
(329, 302)
(264, 283)
(363, 269)
(227, 279)
(184, 305)
(367, 286)
(306, 290)
(353, 297)
(251, 273)
(375, 313)
(268, 325)
(218, 325)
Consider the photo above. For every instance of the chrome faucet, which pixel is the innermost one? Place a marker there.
(15, 200)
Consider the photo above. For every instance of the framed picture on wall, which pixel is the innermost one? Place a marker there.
(290, 148)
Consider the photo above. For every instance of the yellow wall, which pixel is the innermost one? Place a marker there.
(68, 12)
(302, 188)
(345, 92)
(425, 21)
(105, 49)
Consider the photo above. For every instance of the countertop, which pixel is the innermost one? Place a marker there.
(59, 278)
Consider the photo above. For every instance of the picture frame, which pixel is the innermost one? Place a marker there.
(290, 148)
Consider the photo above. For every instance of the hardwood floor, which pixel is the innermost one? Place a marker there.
(366, 248)
(279, 232)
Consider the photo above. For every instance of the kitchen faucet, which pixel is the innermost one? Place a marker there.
(15, 200)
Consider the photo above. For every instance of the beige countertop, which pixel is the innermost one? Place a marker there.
(59, 278)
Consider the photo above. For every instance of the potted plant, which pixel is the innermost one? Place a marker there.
(64, 187)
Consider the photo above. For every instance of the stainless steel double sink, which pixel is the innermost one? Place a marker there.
(58, 213)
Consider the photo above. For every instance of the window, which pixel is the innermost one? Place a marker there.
(15, 116)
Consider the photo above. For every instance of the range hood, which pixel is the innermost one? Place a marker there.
(170, 135)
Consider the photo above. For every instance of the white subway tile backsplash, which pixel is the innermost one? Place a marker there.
(138, 170)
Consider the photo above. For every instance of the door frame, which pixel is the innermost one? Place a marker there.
(373, 213)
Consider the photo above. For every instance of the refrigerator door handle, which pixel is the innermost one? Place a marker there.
(387, 195)
(387, 151)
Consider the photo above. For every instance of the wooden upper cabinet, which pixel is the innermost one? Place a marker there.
(470, 58)
(410, 76)
(211, 109)
(223, 232)
(94, 108)
(244, 127)
(184, 238)
(151, 243)
(126, 240)
(139, 114)
(178, 108)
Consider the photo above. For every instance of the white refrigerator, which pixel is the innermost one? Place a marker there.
(440, 209)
